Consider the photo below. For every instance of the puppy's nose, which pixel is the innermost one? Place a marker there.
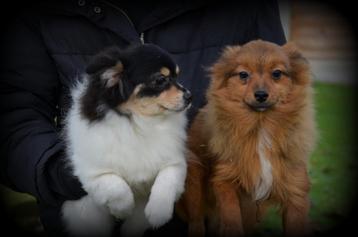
(187, 96)
(261, 96)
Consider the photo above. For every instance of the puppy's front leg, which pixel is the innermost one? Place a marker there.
(295, 218)
(167, 188)
(191, 205)
(111, 190)
(228, 207)
(297, 205)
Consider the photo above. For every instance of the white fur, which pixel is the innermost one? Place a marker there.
(264, 184)
(86, 211)
(133, 169)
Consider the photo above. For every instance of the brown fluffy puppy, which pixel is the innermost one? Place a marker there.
(250, 144)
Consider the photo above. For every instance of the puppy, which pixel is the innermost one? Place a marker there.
(251, 142)
(125, 135)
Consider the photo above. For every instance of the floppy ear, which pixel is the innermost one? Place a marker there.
(299, 66)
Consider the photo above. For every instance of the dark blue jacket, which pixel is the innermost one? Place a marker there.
(47, 45)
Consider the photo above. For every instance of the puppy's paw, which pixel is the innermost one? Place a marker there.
(159, 211)
(122, 207)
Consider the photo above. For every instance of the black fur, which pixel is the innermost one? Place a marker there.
(141, 65)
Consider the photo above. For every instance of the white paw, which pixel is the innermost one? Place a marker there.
(159, 211)
(122, 207)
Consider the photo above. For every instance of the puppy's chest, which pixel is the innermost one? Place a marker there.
(138, 156)
(264, 179)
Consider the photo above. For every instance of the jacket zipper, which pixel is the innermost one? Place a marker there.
(141, 35)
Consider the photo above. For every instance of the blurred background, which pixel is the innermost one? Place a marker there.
(326, 38)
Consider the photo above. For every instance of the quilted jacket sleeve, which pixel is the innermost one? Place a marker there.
(29, 88)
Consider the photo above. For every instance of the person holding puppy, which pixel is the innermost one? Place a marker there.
(47, 45)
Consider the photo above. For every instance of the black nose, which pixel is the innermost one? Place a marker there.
(261, 96)
(187, 96)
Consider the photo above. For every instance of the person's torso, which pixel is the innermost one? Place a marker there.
(194, 35)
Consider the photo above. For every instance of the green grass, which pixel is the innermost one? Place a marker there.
(332, 166)
(21, 212)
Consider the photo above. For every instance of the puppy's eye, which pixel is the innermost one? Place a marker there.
(243, 75)
(276, 74)
(160, 81)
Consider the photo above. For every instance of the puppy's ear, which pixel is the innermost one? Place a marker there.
(107, 68)
(292, 51)
(299, 66)
(105, 59)
(226, 63)
(229, 51)
(112, 76)
(114, 82)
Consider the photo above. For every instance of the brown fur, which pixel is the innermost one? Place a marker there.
(224, 166)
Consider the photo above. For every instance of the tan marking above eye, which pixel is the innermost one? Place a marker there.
(165, 71)
(177, 69)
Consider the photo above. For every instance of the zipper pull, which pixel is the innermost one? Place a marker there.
(142, 37)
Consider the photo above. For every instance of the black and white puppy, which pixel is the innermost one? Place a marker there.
(125, 136)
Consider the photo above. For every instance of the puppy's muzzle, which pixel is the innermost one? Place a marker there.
(187, 96)
(261, 96)
(261, 101)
